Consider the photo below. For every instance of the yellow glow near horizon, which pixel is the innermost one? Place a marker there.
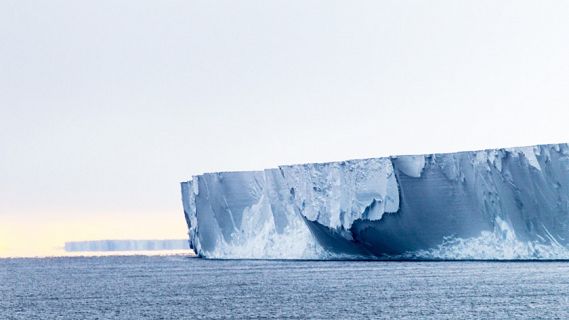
(26, 236)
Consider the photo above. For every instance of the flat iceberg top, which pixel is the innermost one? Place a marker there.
(491, 204)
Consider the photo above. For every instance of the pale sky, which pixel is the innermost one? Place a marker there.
(106, 105)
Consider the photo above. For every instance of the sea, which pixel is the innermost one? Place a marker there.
(183, 287)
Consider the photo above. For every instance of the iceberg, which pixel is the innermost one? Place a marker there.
(499, 204)
(125, 245)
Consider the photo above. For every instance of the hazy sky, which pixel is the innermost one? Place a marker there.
(106, 105)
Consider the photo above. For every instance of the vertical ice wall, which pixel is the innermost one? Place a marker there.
(432, 206)
(245, 215)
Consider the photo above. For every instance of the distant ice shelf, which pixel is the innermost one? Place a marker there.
(125, 245)
(492, 204)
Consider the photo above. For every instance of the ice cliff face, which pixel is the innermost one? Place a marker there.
(491, 204)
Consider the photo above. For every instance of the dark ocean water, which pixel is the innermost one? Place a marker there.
(177, 287)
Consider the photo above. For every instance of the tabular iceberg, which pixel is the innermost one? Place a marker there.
(125, 245)
(491, 204)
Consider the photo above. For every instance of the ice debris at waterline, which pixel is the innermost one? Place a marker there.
(492, 204)
(125, 245)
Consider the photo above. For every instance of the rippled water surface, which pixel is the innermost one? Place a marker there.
(177, 287)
